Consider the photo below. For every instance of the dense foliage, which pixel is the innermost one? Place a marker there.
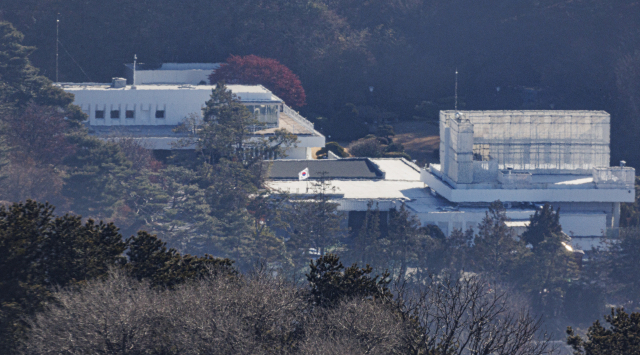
(253, 70)
(620, 336)
(551, 54)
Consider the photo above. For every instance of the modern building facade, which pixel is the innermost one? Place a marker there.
(150, 112)
(522, 158)
(526, 159)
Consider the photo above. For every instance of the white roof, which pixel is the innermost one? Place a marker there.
(398, 169)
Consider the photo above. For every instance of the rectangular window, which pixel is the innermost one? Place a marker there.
(99, 113)
(159, 113)
(129, 114)
(115, 113)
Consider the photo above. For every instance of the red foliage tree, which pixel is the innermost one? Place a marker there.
(253, 70)
(38, 134)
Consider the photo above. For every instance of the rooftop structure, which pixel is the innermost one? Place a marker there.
(530, 158)
(171, 73)
(151, 112)
(523, 158)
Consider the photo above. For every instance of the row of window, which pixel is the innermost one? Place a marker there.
(115, 114)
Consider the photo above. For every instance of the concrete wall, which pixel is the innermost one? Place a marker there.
(177, 102)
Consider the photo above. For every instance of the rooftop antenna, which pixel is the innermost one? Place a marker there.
(57, 33)
(456, 93)
(135, 60)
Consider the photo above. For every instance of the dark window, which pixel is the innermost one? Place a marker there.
(99, 113)
(115, 113)
(129, 114)
(159, 113)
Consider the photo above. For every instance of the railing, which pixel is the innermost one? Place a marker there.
(260, 127)
(614, 177)
(510, 178)
(296, 116)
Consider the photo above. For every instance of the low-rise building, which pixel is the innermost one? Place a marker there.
(150, 112)
(522, 158)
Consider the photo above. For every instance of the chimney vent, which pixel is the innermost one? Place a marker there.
(118, 83)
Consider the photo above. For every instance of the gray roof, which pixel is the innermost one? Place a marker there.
(358, 168)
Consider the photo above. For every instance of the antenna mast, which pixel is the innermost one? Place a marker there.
(456, 99)
(57, 33)
(135, 60)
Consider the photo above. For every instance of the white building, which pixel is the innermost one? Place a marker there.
(527, 158)
(523, 158)
(150, 112)
(171, 73)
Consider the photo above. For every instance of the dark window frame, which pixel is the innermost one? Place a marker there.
(130, 114)
(160, 114)
(115, 116)
(100, 114)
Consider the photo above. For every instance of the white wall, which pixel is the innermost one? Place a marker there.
(178, 102)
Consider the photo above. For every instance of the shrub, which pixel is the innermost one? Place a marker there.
(370, 148)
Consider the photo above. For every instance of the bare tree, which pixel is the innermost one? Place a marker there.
(261, 314)
(468, 316)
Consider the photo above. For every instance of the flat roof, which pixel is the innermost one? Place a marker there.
(236, 89)
(353, 168)
(175, 66)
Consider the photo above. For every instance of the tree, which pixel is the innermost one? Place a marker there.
(331, 282)
(625, 272)
(149, 259)
(314, 222)
(550, 267)
(96, 173)
(404, 239)
(333, 147)
(366, 147)
(20, 83)
(496, 252)
(40, 251)
(470, 316)
(365, 246)
(543, 225)
(622, 336)
(253, 70)
(38, 134)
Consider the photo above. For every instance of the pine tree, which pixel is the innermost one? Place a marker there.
(550, 267)
(364, 249)
(39, 251)
(331, 282)
(314, 222)
(496, 252)
(404, 239)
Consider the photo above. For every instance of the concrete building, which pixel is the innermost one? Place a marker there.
(171, 73)
(523, 158)
(150, 112)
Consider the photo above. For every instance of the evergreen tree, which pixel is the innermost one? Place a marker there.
(96, 176)
(331, 282)
(543, 225)
(20, 83)
(625, 269)
(496, 252)
(150, 259)
(314, 222)
(621, 336)
(550, 267)
(404, 239)
(364, 248)
(39, 251)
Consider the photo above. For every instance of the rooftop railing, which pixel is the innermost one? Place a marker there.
(614, 177)
(296, 116)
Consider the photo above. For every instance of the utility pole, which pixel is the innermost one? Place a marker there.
(456, 93)
(57, 34)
